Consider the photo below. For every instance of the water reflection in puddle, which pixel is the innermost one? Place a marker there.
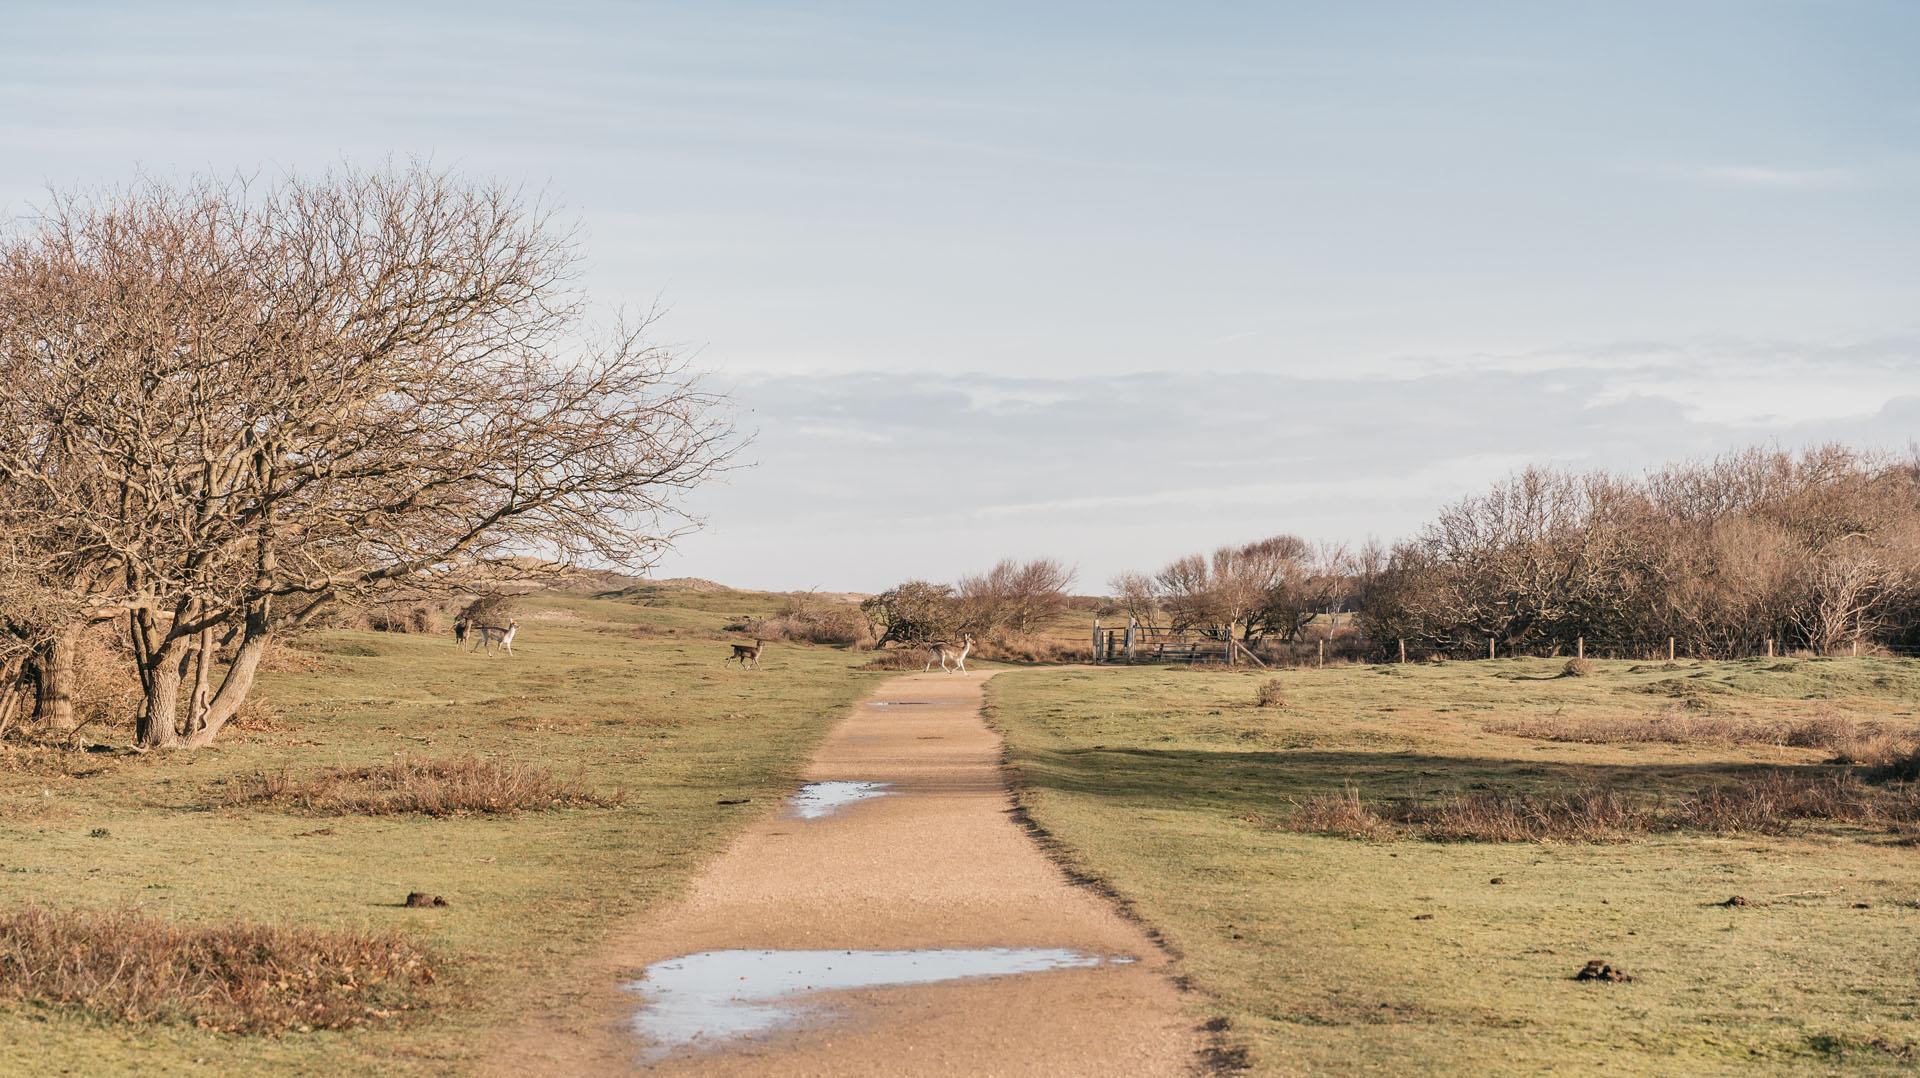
(703, 1000)
(817, 799)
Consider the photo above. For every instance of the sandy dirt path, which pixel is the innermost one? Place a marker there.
(938, 863)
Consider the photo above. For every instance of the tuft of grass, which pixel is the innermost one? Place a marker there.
(126, 967)
(458, 786)
(1577, 667)
(1345, 814)
(1272, 693)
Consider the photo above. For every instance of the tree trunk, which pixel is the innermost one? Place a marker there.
(235, 686)
(202, 673)
(158, 727)
(53, 677)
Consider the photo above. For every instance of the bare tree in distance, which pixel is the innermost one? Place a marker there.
(264, 402)
(1014, 596)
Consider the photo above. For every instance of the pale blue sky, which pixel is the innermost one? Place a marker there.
(1701, 213)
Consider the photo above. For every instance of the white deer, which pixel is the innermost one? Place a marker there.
(490, 635)
(944, 652)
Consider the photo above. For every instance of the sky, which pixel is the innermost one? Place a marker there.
(1110, 282)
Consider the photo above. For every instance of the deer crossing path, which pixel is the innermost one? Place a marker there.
(938, 862)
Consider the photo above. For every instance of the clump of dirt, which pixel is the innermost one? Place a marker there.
(1736, 900)
(1597, 970)
(421, 900)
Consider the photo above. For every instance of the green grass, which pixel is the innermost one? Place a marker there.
(1320, 951)
(625, 692)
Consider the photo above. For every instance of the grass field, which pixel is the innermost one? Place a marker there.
(1402, 955)
(626, 693)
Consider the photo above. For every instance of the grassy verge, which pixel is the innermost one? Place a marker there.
(1400, 954)
(623, 695)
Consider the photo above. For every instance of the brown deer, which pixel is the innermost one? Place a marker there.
(944, 652)
(747, 653)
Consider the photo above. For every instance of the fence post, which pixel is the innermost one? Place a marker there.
(1856, 647)
(1133, 624)
(1669, 649)
(1769, 647)
(1489, 647)
(1580, 647)
(1096, 640)
(1323, 651)
(1403, 649)
(1230, 643)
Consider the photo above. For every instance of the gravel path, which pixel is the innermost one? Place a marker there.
(930, 860)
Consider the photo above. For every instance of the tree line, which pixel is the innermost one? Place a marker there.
(225, 410)
(1815, 550)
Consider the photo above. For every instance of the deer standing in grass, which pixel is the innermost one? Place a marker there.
(945, 652)
(487, 636)
(747, 653)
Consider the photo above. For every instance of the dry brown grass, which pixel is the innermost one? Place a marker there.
(1896, 767)
(1272, 693)
(126, 967)
(1771, 802)
(811, 619)
(1577, 667)
(1031, 648)
(459, 786)
(898, 659)
(1344, 813)
(1850, 741)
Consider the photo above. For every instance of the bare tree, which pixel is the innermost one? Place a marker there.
(1013, 596)
(264, 402)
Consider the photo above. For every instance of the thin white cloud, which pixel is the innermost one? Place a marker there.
(1781, 178)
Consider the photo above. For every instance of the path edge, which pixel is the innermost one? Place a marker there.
(1220, 1054)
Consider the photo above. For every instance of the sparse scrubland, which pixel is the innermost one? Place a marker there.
(1403, 868)
(240, 909)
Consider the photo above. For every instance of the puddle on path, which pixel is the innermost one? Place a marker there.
(817, 799)
(704, 1000)
(896, 703)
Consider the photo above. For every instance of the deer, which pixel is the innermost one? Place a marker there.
(486, 636)
(746, 653)
(944, 652)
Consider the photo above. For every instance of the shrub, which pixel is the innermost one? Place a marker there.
(405, 618)
(1272, 693)
(903, 659)
(1577, 667)
(808, 619)
(236, 978)
(451, 787)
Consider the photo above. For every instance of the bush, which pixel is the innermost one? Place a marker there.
(236, 978)
(452, 787)
(807, 619)
(1272, 693)
(1577, 667)
(404, 618)
(903, 659)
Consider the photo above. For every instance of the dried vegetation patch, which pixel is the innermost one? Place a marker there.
(1851, 741)
(127, 967)
(462, 785)
(1772, 802)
